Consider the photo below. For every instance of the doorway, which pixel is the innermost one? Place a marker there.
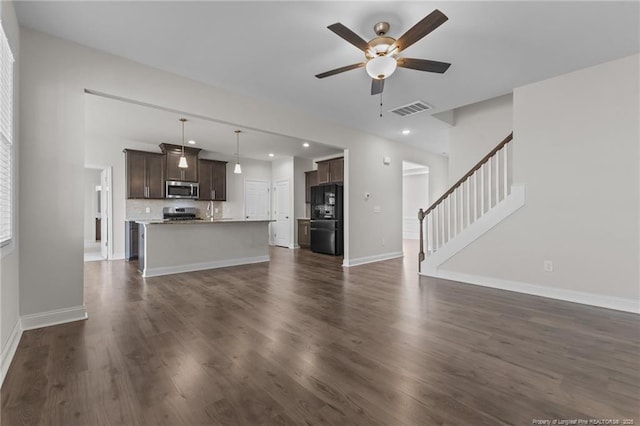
(97, 214)
(282, 214)
(415, 196)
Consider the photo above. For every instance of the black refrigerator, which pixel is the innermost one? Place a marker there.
(327, 222)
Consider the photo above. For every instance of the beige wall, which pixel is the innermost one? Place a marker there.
(10, 259)
(55, 75)
(576, 150)
(477, 129)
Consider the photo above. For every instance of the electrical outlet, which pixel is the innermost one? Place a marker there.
(548, 266)
(147, 209)
(216, 210)
(382, 241)
(377, 209)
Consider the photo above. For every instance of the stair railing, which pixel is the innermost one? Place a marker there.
(482, 187)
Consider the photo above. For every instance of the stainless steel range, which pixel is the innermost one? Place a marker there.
(179, 213)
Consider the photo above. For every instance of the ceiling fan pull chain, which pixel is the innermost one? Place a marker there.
(380, 104)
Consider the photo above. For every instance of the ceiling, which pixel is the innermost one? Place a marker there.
(110, 119)
(272, 50)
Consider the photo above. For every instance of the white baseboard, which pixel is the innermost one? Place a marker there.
(602, 301)
(370, 259)
(167, 270)
(59, 316)
(481, 226)
(9, 350)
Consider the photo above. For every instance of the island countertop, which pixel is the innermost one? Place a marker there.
(197, 221)
(225, 242)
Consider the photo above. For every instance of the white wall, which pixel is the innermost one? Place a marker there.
(300, 165)
(10, 259)
(56, 72)
(91, 180)
(415, 196)
(282, 169)
(251, 170)
(576, 150)
(477, 129)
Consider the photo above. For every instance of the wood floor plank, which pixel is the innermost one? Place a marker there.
(302, 340)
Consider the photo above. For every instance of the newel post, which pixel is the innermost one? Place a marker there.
(421, 254)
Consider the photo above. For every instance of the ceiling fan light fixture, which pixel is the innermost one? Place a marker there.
(381, 67)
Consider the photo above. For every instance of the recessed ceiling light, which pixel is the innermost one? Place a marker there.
(406, 131)
(306, 144)
(271, 154)
(192, 142)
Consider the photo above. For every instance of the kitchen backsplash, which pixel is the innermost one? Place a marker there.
(136, 209)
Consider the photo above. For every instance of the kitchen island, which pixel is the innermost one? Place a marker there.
(170, 247)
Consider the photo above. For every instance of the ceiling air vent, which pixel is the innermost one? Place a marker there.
(411, 109)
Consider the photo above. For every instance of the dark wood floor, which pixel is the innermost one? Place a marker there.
(301, 340)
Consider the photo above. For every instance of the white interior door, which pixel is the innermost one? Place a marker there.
(104, 216)
(282, 214)
(256, 199)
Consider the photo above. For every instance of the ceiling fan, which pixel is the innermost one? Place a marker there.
(382, 52)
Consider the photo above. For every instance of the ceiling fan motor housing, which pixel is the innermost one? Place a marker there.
(379, 46)
(381, 28)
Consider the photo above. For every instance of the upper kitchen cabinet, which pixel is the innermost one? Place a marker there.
(173, 154)
(145, 174)
(331, 171)
(212, 177)
(310, 179)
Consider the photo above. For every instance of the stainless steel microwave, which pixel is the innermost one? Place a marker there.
(175, 189)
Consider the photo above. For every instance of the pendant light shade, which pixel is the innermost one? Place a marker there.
(183, 160)
(237, 169)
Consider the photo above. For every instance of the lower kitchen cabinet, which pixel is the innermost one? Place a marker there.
(304, 233)
(131, 240)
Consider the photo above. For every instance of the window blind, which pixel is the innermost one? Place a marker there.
(6, 139)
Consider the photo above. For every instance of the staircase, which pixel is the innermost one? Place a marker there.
(477, 202)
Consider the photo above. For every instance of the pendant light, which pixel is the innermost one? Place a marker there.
(237, 169)
(183, 160)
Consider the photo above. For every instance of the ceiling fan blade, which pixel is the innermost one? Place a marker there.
(349, 35)
(423, 65)
(339, 70)
(421, 29)
(376, 86)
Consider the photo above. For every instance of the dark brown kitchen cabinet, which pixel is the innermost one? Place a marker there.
(172, 157)
(144, 174)
(304, 233)
(131, 236)
(331, 171)
(310, 179)
(212, 177)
